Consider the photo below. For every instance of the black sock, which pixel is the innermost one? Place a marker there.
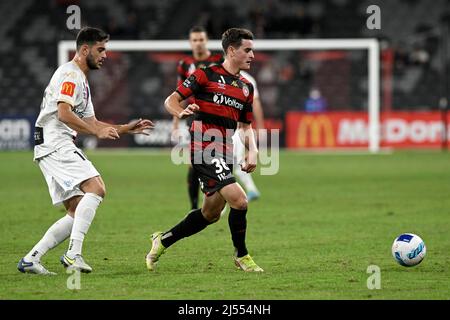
(193, 223)
(238, 225)
(193, 186)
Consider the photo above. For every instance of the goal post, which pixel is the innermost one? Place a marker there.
(371, 45)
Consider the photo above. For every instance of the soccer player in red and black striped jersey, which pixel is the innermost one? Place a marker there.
(201, 58)
(222, 103)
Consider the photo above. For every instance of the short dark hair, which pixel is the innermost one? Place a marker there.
(197, 29)
(233, 37)
(91, 36)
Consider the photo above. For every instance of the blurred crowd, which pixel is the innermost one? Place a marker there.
(411, 38)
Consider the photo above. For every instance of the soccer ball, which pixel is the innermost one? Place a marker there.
(408, 249)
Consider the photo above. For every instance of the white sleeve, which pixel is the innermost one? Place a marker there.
(69, 89)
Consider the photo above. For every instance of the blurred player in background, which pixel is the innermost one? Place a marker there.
(223, 102)
(72, 179)
(201, 58)
(239, 148)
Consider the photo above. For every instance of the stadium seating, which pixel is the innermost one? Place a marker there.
(31, 29)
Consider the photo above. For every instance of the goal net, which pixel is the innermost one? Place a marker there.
(305, 87)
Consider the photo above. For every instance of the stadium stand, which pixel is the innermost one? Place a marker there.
(410, 31)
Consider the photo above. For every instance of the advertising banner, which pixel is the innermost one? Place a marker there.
(350, 129)
(16, 133)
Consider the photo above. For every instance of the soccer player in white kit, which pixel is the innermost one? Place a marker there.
(239, 148)
(72, 179)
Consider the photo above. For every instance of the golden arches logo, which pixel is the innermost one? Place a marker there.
(68, 88)
(315, 125)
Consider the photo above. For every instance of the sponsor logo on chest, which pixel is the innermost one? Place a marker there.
(220, 99)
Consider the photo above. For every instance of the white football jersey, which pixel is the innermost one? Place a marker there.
(68, 84)
(252, 80)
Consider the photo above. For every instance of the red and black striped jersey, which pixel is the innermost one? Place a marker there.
(188, 65)
(224, 100)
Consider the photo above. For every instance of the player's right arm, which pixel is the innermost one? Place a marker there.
(181, 76)
(66, 115)
(190, 86)
(174, 107)
(70, 91)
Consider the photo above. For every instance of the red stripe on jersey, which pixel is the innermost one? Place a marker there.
(205, 127)
(232, 97)
(199, 77)
(202, 145)
(222, 137)
(218, 110)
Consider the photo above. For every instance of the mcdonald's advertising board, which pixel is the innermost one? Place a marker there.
(351, 129)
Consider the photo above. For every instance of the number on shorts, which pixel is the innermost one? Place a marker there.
(220, 165)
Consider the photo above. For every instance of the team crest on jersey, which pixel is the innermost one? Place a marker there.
(245, 90)
(189, 81)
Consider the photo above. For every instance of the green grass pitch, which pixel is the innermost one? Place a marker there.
(321, 221)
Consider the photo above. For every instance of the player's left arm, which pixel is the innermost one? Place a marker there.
(133, 127)
(258, 114)
(247, 136)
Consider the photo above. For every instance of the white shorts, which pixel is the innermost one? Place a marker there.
(64, 170)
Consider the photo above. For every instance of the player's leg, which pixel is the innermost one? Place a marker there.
(244, 177)
(94, 192)
(193, 187)
(237, 221)
(61, 229)
(213, 206)
(193, 177)
(55, 235)
(195, 221)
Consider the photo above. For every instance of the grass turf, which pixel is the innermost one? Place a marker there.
(321, 221)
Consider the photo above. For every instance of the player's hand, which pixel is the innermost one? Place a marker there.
(190, 110)
(108, 133)
(139, 126)
(250, 162)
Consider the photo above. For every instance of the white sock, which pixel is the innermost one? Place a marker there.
(56, 234)
(246, 180)
(84, 214)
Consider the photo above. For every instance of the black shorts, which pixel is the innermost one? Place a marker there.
(214, 174)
